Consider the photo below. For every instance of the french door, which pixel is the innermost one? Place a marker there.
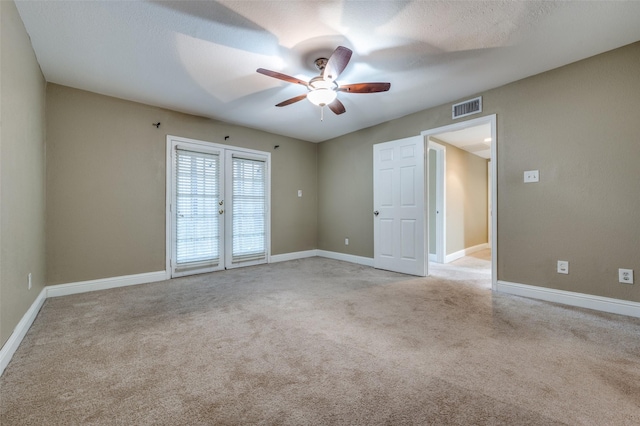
(217, 206)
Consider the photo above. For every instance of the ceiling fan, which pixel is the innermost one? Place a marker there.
(323, 89)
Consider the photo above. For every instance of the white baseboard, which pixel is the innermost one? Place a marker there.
(598, 303)
(433, 257)
(105, 283)
(292, 256)
(366, 261)
(10, 347)
(465, 252)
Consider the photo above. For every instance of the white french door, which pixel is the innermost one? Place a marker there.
(400, 234)
(217, 206)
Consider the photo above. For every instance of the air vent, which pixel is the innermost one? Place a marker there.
(462, 109)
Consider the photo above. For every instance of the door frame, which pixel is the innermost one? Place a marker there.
(491, 119)
(441, 197)
(172, 141)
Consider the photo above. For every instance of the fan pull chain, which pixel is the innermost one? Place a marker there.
(322, 113)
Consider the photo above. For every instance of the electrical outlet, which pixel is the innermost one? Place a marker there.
(563, 267)
(29, 280)
(531, 176)
(346, 241)
(625, 276)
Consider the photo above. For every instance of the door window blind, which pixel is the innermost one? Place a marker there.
(249, 210)
(197, 195)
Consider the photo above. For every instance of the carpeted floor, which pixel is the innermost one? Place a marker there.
(318, 341)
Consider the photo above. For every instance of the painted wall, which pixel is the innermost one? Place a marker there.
(22, 171)
(466, 199)
(579, 126)
(106, 184)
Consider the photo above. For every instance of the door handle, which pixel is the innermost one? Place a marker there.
(376, 213)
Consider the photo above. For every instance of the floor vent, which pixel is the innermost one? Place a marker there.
(462, 109)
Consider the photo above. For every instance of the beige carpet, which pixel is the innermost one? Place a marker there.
(319, 341)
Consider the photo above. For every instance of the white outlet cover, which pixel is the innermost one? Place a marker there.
(625, 276)
(531, 176)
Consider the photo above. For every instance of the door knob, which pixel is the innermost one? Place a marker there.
(376, 213)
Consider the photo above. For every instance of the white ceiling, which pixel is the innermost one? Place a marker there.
(201, 57)
(476, 140)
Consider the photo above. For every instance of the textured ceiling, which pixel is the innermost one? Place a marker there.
(201, 57)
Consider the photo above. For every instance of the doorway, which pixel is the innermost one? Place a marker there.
(218, 204)
(478, 137)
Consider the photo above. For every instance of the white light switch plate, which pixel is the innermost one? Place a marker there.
(563, 267)
(531, 176)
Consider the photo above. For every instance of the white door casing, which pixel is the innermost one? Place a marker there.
(400, 232)
(491, 119)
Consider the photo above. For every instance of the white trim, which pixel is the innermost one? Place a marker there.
(10, 347)
(433, 257)
(598, 303)
(465, 252)
(292, 256)
(105, 283)
(366, 261)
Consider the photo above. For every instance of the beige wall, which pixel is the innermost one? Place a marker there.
(106, 184)
(22, 171)
(579, 126)
(466, 198)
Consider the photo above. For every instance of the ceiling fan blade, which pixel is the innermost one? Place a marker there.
(281, 76)
(292, 100)
(337, 63)
(365, 87)
(337, 107)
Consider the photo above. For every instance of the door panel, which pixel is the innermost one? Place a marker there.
(399, 204)
(197, 230)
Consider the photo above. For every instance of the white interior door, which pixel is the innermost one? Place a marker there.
(400, 233)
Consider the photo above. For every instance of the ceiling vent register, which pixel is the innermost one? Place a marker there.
(462, 109)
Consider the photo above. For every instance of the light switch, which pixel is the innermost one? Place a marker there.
(563, 267)
(531, 176)
(299, 192)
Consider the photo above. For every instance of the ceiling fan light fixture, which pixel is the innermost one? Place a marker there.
(322, 97)
(322, 92)
(323, 89)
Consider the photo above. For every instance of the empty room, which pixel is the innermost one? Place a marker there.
(319, 212)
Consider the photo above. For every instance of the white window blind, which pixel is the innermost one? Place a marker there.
(197, 195)
(249, 210)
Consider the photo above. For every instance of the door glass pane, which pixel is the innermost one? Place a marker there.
(196, 209)
(249, 209)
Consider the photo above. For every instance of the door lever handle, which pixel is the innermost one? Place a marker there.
(376, 213)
